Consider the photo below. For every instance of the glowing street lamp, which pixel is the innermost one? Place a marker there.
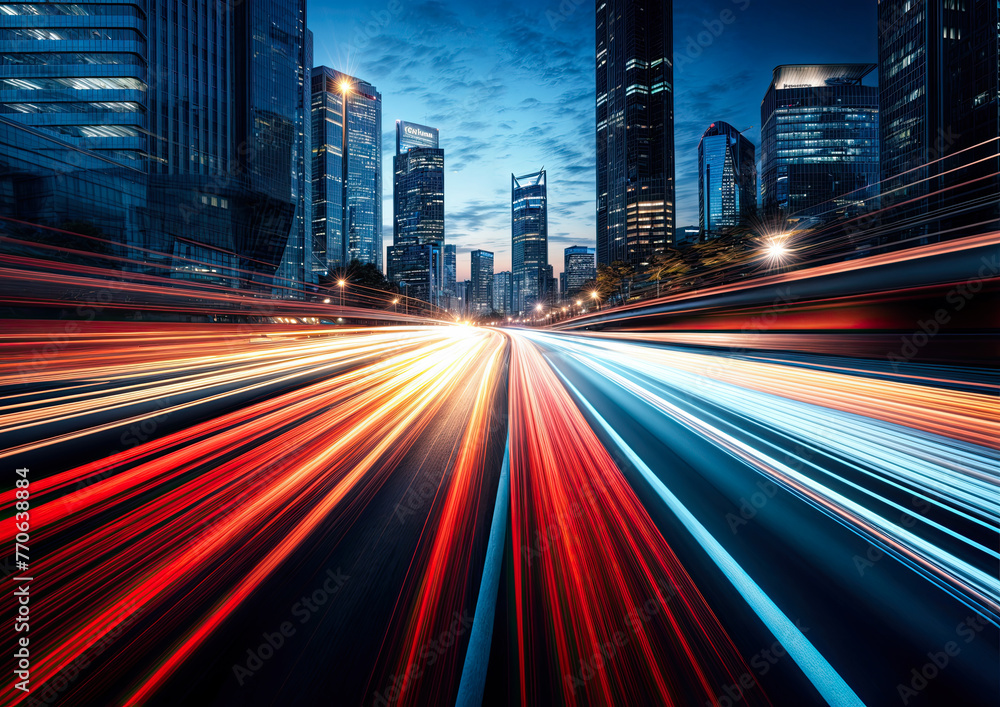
(775, 251)
(341, 284)
(326, 301)
(596, 296)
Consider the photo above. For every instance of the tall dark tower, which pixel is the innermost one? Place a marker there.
(529, 232)
(939, 69)
(635, 129)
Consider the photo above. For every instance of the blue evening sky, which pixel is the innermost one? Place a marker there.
(510, 85)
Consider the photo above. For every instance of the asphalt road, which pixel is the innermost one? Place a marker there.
(306, 516)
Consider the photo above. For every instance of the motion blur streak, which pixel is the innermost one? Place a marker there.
(444, 574)
(156, 528)
(595, 582)
(950, 472)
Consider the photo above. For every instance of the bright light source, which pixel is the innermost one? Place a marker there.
(345, 86)
(341, 283)
(594, 294)
(538, 307)
(578, 303)
(326, 301)
(395, 301)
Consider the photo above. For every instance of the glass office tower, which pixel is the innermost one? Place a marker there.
(578, 267)
(295, 274)
(450, 270)
(269, 51)
(79, 71)
(348, 215)
(819, 151)
(529, 239)
(482, 281)
(727, 180)
(502, 292)
(939, 70)
(635, 129)
(418, 213)
(205, 97)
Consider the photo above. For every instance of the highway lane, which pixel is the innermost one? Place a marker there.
(235, 515)
(329, 519)
(864, 507)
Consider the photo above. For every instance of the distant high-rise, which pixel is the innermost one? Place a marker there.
(529, 239)
(450, 270)
(418, 210)
(578, 268)
(727, 180)
(347, 218)
(502, 292)
(635, 129)
(819, 141)
(482, 281)
(939, 123)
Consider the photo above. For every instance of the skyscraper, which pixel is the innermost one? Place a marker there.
(529, 239)
(502, 292)
(205, 100)
(635, 129)
(347, 223)
(938, 87)
(450, 270)
(269, 53)
(295, 274)
(482, 281)
(79, 71)
(418, 212)
(578, 268)
(727, 180)
(819, 141)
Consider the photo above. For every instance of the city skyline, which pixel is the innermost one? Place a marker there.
(543, 103)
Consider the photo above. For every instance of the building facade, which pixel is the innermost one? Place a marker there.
(727, 180)
(482, 281)
(529, 239)
(579, 267)
(635, 129)
(418, 211)
(819, 152)
(502, 293)
(450, 270)
(204, 100)
(938, 95)
(347, 198)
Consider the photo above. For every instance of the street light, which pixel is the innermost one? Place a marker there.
(341, 284)
(775, 251)
(595, 295)
(326, 301)
(394, 303)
